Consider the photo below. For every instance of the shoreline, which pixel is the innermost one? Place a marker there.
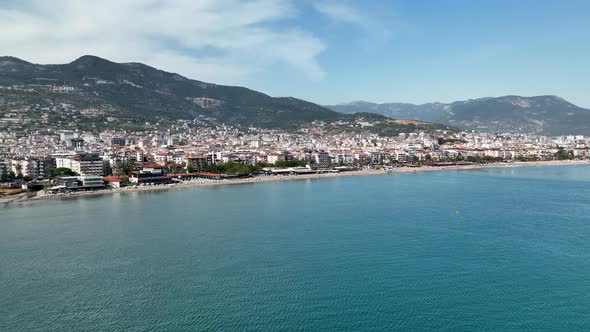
(23, 199)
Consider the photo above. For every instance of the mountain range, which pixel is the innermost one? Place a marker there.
(547, 115)
(135, 92)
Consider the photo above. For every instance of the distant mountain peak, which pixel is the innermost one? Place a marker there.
(12, 59)
(545, 114)
(90, 57)
(358, 102)
(14, 65)
(91, 60)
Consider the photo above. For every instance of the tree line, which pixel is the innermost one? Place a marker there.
(229, 168)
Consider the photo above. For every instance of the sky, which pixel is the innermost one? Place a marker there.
(325, 51)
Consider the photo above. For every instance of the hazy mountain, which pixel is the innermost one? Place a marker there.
(137, 92)
(549, 115)
(424, 112)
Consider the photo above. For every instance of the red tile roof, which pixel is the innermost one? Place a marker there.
(114, 178)
(209, 174)
(151, 165)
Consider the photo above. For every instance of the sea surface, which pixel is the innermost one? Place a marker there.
(494, 249)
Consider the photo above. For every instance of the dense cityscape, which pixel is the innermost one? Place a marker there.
(65, 160)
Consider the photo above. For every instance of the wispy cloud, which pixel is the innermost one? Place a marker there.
(214, 40)
(340, 12)
(345, 12)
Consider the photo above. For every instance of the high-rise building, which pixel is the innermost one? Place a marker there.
(82, 163)
(35, 167)
(88, 164)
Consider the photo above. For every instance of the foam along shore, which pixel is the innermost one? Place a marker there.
(203, 182)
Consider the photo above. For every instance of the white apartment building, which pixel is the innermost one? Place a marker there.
(82, 163)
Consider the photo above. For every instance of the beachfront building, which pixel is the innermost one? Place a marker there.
(196, 162)
(343, 158)
(81, 163)
(322, 159)
(41, 167)
(401, 156)
(115, 181)
(35, 167)
(210, 176)
(150, 175)
(78, 183)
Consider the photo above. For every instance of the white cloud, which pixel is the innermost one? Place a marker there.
(371, 23)
(221, 41)
(339, 11)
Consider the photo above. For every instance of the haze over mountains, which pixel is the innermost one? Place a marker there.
(137, 92)
(547, 115)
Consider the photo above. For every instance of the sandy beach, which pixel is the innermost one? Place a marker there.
(41, 196)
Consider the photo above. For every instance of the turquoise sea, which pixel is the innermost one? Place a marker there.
(352, 253)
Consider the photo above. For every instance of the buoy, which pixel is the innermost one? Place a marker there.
(457, 212)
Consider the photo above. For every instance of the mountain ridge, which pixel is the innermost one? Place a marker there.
(136, 92)
(544, 114)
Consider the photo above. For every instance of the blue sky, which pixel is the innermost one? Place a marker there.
(325, 51)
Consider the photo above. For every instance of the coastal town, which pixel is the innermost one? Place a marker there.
(294, 165)
(57, 161)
